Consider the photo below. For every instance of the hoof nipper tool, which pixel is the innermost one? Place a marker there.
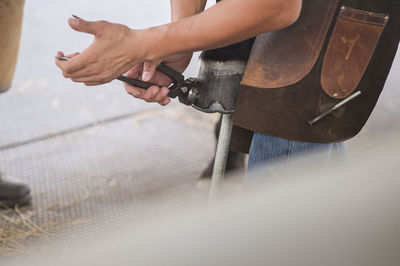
(178, 88)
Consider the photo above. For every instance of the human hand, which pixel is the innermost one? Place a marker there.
(109, 55)
(147, 72)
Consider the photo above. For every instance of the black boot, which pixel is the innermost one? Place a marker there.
(13, 193)
(234, 163)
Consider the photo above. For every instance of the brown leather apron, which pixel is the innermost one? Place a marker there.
(11, 12)
(335, 49)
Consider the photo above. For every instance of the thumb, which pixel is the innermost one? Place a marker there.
(82, 25)
(149, 69)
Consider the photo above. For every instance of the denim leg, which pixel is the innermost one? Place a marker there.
(266, 150)
(338, 154)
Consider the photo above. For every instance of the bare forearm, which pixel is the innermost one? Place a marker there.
(186, 8)
(227, 22)
(116, 48)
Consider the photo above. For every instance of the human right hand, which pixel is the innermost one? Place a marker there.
(147, 72)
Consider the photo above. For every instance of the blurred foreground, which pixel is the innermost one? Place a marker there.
(346, 215)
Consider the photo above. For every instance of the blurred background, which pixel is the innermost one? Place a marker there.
(94, 156)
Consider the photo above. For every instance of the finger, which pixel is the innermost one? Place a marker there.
(165, 102)
(89, 73)
(72, 55)
(135, 72)
(149, 69)
(79, 66)
(135, 92)
(58, 61)
(150, 94)
(92, 83)
(69, 67)
(160, 97)
(61, 54)
(84, 79)
(81, 25)
(92, 80)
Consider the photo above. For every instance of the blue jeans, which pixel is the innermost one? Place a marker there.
(266, 150)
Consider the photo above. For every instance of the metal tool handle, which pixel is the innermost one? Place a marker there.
(170, 72)
(177, 79)
(136, 82)
(335, 107)
(145, 85)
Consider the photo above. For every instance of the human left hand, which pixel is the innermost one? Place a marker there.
(109, 55)
(147, 72)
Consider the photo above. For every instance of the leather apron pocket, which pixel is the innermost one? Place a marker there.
(350, 49)
(282, 58)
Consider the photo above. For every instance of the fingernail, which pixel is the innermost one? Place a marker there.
(74, 16)
(146, 76)
(155, 91)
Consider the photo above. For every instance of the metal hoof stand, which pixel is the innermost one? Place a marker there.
(214, 91)
(221, 156)
(220, 84)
